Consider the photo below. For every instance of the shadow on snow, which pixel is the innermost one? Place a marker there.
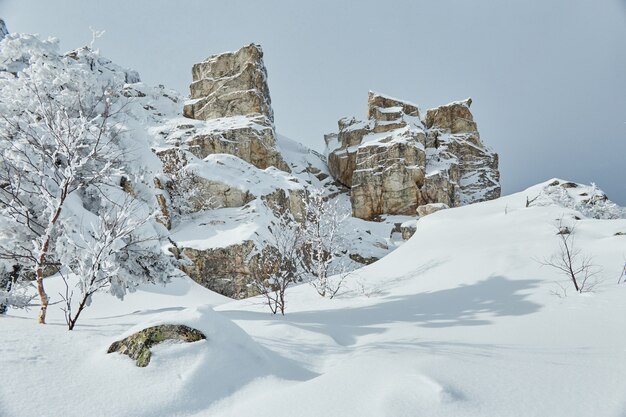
(467, 305)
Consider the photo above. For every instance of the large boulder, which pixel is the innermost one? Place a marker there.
(395, 161)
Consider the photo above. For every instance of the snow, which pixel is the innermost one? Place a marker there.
(221, 227)
(237, 173)
(461, 320)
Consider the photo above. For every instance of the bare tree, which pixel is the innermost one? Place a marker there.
(529, 202)
(572, 262)
(278, 265)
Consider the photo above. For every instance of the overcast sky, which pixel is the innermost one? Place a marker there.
(547, 77)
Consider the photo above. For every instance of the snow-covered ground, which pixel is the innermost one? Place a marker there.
(461, 320)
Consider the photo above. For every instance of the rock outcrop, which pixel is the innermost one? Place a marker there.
(232, 88)
(398, 160)
(137, 346)
(226, 176)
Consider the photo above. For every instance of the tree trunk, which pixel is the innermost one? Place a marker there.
(72, 321)
(43, 297)
(41, 260)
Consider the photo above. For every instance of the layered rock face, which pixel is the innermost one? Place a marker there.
(233, 87)
(230, 84)
(398, 160)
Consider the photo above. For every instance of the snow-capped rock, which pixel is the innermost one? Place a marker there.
(230, 84)
(230, 90)
(395, 161)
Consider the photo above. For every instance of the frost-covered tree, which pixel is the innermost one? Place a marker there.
(115, 252)
(323, 243)
(60, 148)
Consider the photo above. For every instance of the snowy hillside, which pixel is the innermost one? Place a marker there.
(461, 320)
(206, 192)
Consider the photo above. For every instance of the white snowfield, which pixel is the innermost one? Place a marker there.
(462, 320)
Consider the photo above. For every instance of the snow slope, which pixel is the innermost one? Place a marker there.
(461, 320)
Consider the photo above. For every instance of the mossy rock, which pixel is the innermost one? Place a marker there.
(138, 345)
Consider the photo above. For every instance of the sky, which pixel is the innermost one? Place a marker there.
(547, 78)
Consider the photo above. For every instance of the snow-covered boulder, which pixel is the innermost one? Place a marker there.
(588, 200)
(137, 346)
(431, 208)
(396, 161)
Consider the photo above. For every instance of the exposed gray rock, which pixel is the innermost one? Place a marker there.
(363, 260)
(387, 179)
(455, 118)
(137, 346)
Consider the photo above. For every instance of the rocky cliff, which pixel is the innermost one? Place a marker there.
(399, 159)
